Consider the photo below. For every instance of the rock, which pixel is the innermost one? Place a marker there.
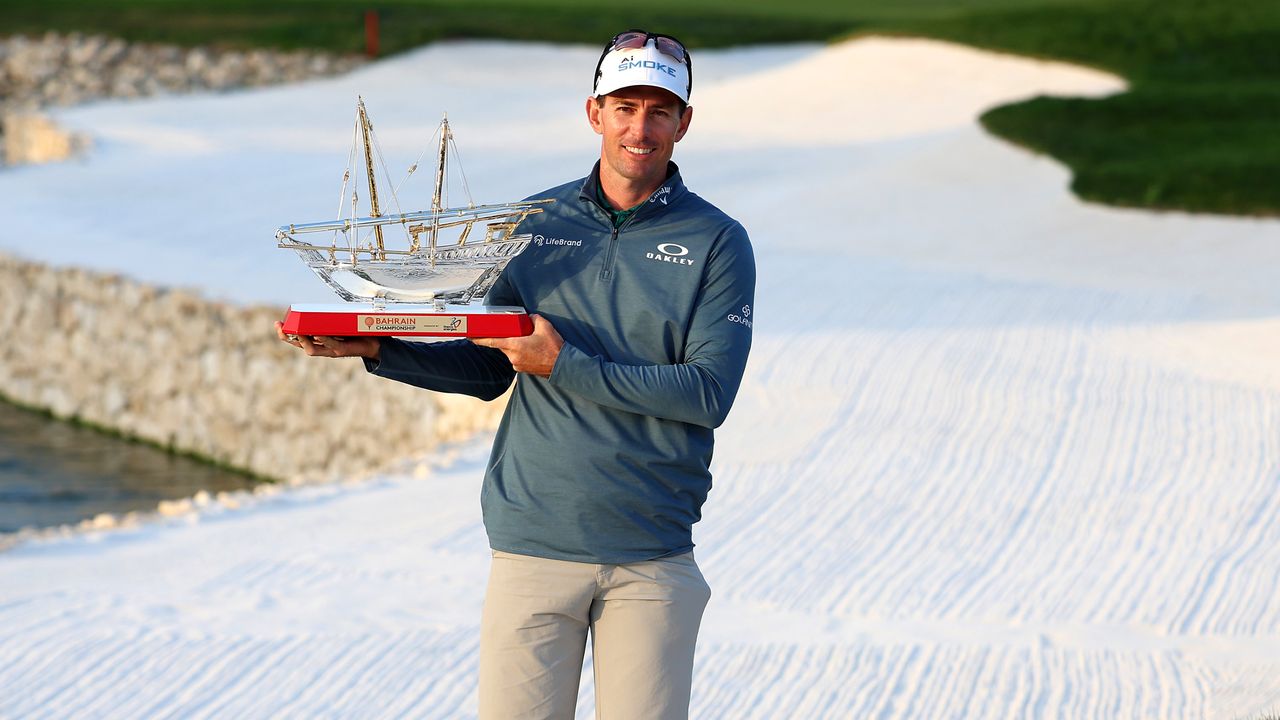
(197, 62)
(114, 400)
(58, 401)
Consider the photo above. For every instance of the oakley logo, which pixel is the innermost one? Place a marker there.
(672, 253)
(629, 64)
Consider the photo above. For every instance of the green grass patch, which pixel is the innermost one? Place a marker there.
(1200, 149)
(338, 25)
(1198, 131)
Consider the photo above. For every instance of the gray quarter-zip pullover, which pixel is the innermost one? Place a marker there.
(608, 459)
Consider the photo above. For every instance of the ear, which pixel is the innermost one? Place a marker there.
(685, 119)
(593, 115)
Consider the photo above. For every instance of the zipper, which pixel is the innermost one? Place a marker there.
(611, 253)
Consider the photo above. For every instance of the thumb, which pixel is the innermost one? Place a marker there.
(543, 327)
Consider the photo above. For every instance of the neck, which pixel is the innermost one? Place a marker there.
(624, 194)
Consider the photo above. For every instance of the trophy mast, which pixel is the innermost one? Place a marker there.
(366, 129)
(436, 198)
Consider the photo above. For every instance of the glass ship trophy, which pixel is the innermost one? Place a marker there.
(451, 256)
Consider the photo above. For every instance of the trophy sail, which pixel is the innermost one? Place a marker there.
(451, 255)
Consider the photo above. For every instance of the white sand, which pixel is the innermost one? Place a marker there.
(998, 454)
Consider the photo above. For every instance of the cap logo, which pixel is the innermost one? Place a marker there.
(629, 64)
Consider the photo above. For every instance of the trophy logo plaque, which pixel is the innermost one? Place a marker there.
(451, 257)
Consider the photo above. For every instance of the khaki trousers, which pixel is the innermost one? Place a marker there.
(643, 620)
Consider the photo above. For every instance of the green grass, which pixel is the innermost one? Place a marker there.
(1200, 130)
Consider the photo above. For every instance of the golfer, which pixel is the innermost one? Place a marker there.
(641, 297)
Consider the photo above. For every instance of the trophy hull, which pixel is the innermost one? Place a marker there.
(369, 320)
(455, 274)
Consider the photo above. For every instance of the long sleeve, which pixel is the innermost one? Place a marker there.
(700, 388)
(456, 366)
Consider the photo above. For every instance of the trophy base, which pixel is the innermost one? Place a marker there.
(402, 320)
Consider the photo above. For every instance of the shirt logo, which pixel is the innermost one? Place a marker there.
(671, 253)
(661, 194)
(742, 319)
(541, 240)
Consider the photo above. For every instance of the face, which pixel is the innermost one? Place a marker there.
(640, 127)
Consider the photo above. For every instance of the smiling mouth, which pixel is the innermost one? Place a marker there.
(637, 150)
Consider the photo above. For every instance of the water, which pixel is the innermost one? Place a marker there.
(52, 472)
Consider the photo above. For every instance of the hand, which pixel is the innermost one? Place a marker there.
(534, 354)
(319, 346)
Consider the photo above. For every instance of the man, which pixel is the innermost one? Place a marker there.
(641, 296)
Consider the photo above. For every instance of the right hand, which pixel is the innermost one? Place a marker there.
(320, 346)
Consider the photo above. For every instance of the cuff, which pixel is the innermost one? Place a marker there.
(569, 364)
(388, 348)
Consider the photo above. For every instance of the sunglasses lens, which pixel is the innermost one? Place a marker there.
(671, 48)
(630, 41)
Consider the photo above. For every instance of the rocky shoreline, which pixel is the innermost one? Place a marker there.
(171, 368)
(167, 366)
(60, 70)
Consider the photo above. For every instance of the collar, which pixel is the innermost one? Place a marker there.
(671, 190)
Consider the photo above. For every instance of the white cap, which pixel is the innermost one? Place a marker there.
(643, 66)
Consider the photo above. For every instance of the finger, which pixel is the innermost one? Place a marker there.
(338, 346)
(308, 345)
(280, 333)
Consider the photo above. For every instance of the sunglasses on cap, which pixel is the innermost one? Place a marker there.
(636, 39)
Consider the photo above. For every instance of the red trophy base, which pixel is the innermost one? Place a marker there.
(357, 319)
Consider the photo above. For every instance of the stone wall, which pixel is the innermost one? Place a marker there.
(169, 367)
(61, 70)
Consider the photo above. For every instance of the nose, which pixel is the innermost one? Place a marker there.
(641, 126)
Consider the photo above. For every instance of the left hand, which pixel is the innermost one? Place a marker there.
(534, 354)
